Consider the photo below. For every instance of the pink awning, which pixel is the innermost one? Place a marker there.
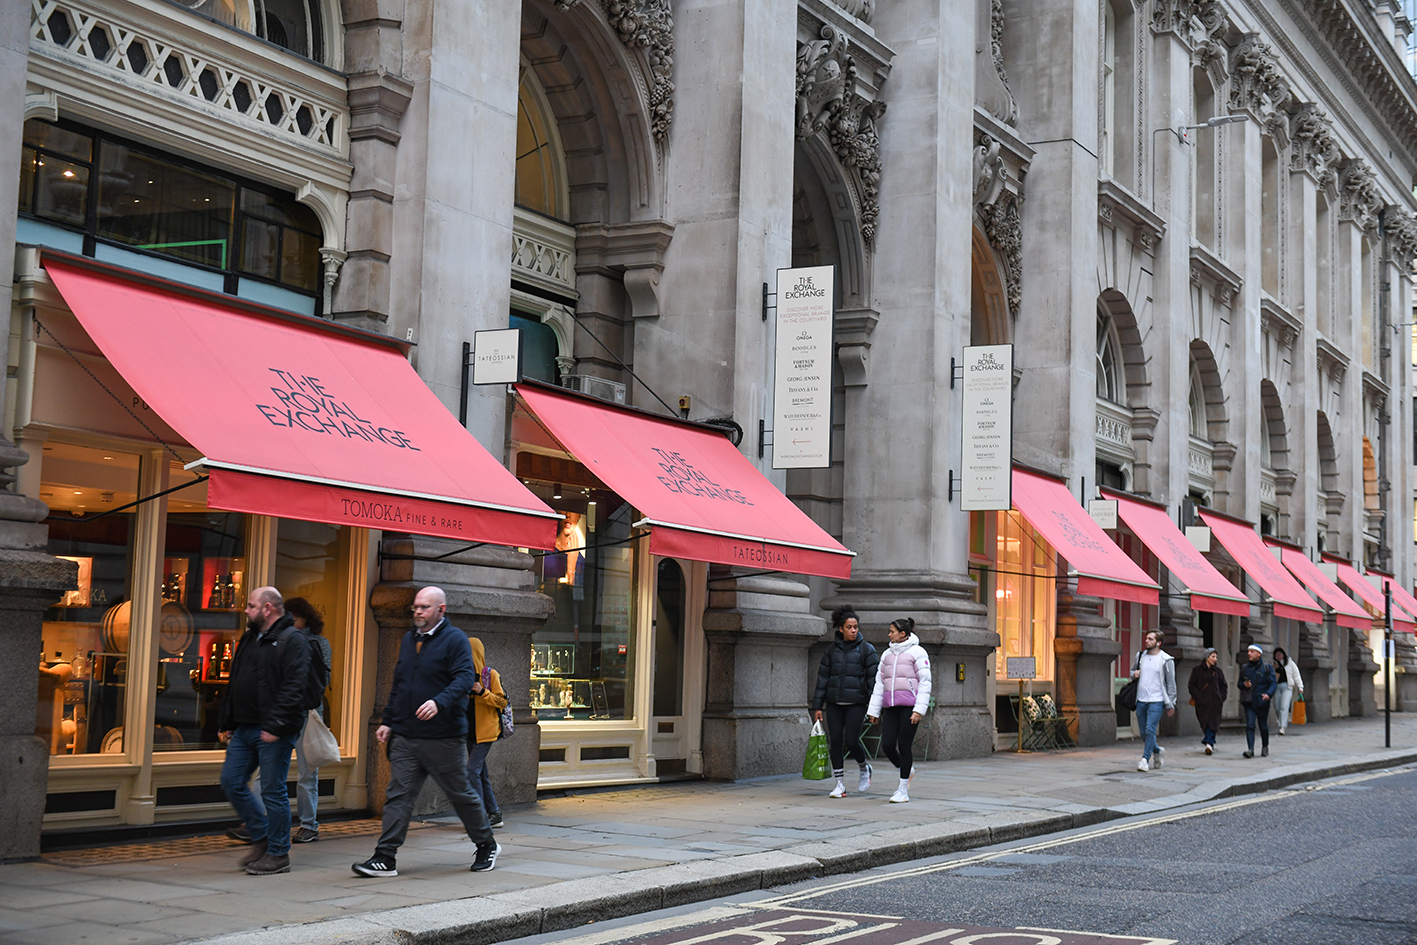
(1244, 545)
(702, 498)
(1347, 613)
(1103, 569)
(1208, 588)
(299, 418)
(1371, 595)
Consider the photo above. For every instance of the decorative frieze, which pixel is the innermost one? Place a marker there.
(1401, 227)
(647, 26)
(1258, 87)
(544, 253)
(1359, 200)
(1313, 147)
(1193, 21)
(830, 103)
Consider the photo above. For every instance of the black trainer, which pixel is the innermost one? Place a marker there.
(494, 819)
(239, 834)
(377, 865)
(486, 856)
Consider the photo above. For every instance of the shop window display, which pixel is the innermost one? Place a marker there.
(583, 658)
(1025, 596)
(204, 597)
(83, 667)
(312, 561)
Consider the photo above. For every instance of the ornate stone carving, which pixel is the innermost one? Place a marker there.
(828, 103)
(1192, 20)
(332, 259)
(1359, 200)
(1005, 232)
(861, 9)
(1256, 85)
(1401, 227)
(646, 25)
(1314, 148)
(991, 81)
(990, 173)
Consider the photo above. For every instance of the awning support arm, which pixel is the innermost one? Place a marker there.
(155, 495)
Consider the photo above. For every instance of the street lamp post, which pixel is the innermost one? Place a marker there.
(1387, 664)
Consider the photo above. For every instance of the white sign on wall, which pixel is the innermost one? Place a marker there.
(1103, 512)
(497, 356)
(986, 472)
(802, 416)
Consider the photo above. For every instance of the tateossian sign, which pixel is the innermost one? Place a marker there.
(986, 471)
(802, 417)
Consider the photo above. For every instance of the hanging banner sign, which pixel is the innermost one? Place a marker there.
(497, 356)
(1104, 513)
(986, 473)
(802, 416)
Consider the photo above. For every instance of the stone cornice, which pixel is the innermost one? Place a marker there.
(1206, 267)
(1115, 203)
(1278, 322)
(1331, 360)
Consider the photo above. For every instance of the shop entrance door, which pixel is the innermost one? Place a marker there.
(677, 656)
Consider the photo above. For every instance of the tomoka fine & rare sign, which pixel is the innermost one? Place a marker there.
(986, 471)
(802, 419)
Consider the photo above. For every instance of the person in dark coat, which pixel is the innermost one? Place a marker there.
(1257, 688)
(845, 679)
(1208, 689)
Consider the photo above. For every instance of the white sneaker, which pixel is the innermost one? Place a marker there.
(1209, 750)
(839, 790)
(864, 784)
(1143, 766)
(1156, 758)
(900, 797)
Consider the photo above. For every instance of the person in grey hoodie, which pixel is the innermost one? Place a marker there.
(901, 698)
(1155, 673)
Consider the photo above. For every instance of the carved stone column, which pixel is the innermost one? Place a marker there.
(1315, 663)
(759, 630)
(1185, 643)
(30, 581)
(1085, 650)
(1361, 668)
(491, 597)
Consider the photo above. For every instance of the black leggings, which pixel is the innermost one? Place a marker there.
(897, 735)
(844, 732)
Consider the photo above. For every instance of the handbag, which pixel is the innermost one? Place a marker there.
(817, 765)
(505, 725)
(1127, 695)
(1301, 714)
(318, 744)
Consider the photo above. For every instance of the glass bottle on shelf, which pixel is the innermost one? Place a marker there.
(226, 662)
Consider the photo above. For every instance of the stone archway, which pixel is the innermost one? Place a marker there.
(989, 318)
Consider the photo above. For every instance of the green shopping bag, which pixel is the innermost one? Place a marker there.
(817, 765)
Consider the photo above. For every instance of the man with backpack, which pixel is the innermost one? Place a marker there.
(262, 715)
(425, 728)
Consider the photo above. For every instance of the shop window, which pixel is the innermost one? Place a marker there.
(583, 659)
(1025, 598)
(157, 204)
(539, 349)
(312, 562)
(204, 591)
(83, 667)
(669, 641)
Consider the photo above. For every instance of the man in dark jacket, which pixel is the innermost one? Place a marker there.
(1257, 687)
(262, 715)
(425, 727)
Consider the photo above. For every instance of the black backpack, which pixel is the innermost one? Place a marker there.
(317, 674)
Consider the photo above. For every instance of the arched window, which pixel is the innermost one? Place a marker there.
(541, 166)
(1266, 443)
(1109, 363)
(1196, 402)
(296, 25)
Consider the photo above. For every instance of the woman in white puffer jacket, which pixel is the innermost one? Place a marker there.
(901, 698)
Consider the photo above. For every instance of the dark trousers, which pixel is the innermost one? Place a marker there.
(897, 735)
(1257, 715)
(844, 732)
(411, 762)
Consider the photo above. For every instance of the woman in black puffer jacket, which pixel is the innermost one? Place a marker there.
(844, 683)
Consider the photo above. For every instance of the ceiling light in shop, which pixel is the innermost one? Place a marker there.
(556, 491)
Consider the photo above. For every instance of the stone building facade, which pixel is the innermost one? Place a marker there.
(1192, 219)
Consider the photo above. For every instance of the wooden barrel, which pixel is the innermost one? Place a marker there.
(115, 627)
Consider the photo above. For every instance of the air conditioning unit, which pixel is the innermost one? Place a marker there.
(595, 387)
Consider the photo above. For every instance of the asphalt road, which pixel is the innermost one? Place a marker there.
(1323, 864)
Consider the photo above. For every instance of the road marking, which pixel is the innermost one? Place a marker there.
(1105, 831)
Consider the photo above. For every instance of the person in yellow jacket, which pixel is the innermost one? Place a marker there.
(485, 725)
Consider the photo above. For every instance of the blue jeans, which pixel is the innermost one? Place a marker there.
(1257, 715)
(1148, 718)
(307, 785)
(266, 816)
(477, 775)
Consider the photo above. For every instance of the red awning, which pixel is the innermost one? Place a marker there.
(1244, 544)
(298, 419)
(1347, 613)
(1401, 596)
(1208, 588)
(1371, 595)
(1103, 569)
(702, 497)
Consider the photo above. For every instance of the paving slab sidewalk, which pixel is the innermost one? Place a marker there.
(594, 855)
